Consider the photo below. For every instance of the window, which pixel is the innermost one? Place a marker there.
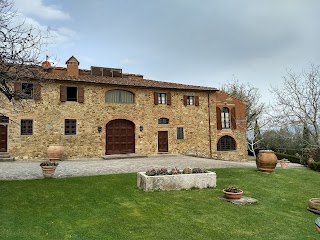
(163, 121)
(26, 126)
(119, 96)
(225, 118)
(191, 100)
(162, 98)
(180, 133)
(27, 90)
(70, 126)
(72, 94)
(226, 143)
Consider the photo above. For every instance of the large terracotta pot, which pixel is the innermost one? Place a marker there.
(55, 152)
(266, 161)
(232, 195)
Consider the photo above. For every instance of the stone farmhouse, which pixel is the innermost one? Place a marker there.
(103, 111)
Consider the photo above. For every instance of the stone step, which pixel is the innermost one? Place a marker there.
(123, 156)
(10, 159)
(5, 157)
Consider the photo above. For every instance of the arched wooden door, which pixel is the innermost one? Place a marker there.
(120, 137)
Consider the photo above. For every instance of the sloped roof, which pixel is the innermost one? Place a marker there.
(125, 82)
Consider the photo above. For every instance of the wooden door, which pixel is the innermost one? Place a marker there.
(163, 141)
(3, 138)
(120, 137)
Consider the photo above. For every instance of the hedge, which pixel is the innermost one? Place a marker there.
(291, 158)
(314, 165)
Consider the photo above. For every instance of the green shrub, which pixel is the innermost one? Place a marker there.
(289, 151)
(291, 158)
(314, 165)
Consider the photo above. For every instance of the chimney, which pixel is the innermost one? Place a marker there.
(72, 67)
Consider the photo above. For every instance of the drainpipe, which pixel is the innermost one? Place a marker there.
(209, 121)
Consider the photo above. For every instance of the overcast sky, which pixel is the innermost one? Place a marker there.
(204, 42)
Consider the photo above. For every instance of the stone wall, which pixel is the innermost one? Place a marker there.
(48, 122)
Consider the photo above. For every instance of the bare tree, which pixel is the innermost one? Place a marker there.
(298, 102)
(254, 110)
(20, 48)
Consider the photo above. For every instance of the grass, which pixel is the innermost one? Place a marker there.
(111, 207)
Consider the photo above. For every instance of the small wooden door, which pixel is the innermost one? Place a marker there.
(163, 141)
(3, 138)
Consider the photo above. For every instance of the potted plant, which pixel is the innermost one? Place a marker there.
(232, 192)
(284, 163)
(48, 168)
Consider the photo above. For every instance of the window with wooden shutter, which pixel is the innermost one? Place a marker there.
(80, 94)
(233, 118)
(218, 114)
(168, 98)
(63, 93)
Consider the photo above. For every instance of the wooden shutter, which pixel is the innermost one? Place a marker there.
(17, 90)
(196, 100)
(63, 93)
(218, 113)
(155, 98)
(37, 92)
(80, 94)
(185, 100)
(168, 98)
(233, 118)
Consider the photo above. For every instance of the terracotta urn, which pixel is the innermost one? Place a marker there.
(266, 161)
(55, 152)
(232, 195)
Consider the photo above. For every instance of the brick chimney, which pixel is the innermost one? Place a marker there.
(72, 67)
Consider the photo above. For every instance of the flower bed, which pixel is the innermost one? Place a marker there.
(175, 181)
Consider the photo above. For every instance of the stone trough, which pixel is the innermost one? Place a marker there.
(176, 182)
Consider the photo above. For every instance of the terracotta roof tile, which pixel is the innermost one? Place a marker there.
(125, 82)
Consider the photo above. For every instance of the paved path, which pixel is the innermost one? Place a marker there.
(89, 167)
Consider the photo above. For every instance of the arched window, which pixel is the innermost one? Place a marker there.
(226, 143)
(119, 96)
(225, 117)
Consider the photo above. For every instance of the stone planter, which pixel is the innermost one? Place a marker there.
(48, 171)
(266, 161)
(175, 182)
(317, 222)
(284, 163)
(55, 152)
(232, 195)
(314, 203)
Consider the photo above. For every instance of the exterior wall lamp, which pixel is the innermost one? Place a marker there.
(99, 129)
(141, 128)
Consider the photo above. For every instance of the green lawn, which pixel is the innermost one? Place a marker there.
(111, 207)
